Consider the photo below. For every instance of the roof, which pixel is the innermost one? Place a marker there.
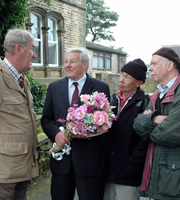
(94, 46)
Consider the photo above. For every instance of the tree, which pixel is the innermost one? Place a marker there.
(99, 20)
(13, 14)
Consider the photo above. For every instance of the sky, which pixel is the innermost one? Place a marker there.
(144, 26)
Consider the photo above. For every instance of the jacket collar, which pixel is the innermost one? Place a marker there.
(10, 80)
(169, 97)
(138, 95)
(88, 85)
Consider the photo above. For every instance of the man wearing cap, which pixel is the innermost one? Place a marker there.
(160, 124)
(127, 150)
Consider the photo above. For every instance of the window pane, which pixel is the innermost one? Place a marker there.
(36, 32)
(101, 54)
(108, 63)
(38, 52)
(52, 30)
(52, 48)
(101, 63)
(36, 26)
(95, 62)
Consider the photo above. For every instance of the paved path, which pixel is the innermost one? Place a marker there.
(40, 189)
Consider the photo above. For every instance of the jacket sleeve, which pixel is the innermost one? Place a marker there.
(139, 152)
(48, 117)
(167, 133)
(143, 124)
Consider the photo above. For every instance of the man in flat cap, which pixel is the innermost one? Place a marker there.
(160, 124)
(127, 149)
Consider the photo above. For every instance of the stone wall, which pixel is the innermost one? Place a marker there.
(111, 79)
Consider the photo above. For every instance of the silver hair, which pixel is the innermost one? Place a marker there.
(14, 37)
(84, 53)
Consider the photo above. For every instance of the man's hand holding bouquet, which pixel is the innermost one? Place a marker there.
(94, 117)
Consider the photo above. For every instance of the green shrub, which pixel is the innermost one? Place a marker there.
(13, 14)
(38, 92)
(149, 86)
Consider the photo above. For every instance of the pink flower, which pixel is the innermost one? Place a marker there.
(100, 117)
(101, 101)
(61, 120)
(70, 116)
(85, 98)
(80, 112)
(70, 125)
(103, 128)
(79, 128)
(95, 116)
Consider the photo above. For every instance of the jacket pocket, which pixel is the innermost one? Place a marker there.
(11, 100)
(14, 160)
(169, 176)
(13, 148)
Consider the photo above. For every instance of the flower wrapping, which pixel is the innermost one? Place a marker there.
(92, 118)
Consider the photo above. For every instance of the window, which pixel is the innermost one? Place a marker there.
(36, 32)
(48, 31)
(52, 42)
(108, 61)
(101, 60)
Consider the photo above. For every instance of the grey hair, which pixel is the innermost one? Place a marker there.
(14, 37)
(84, 53)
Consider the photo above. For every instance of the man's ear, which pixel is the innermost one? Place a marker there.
(169, 66)
(139, 83)
(18, 48)
(86, 64)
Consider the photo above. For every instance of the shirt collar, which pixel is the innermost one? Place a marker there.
(126, 98)
(81, 81)
(163, 90)
(12, 69)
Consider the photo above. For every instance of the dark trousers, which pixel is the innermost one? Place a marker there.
(13, 191)
(88, 188)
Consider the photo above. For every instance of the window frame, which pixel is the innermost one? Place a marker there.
(105, 56)
(53, 42)
(45, 14)
(39, 40)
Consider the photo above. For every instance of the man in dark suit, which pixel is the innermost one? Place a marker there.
(84, 168)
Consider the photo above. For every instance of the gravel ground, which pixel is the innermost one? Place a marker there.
(39, 189)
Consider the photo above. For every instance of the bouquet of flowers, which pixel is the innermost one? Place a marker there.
(92, 118)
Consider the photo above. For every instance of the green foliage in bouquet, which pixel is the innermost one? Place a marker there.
(38, 92)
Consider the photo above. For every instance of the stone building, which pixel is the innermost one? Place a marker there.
(106, 64)
(60, 26)
(55, 28)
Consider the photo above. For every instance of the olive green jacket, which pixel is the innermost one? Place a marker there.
(164, 182)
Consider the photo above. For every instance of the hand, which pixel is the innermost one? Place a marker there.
(147, 112)
(159, 119)
(61, 139)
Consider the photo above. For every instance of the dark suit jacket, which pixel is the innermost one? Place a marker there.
(87, 155)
